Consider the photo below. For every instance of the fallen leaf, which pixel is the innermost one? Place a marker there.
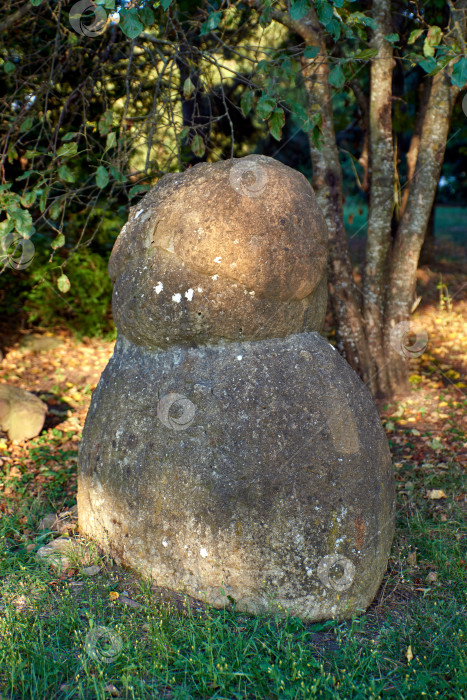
(432, 577)
(436, 494)
(409, 654)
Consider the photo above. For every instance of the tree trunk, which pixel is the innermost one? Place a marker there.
(414, 222)
(381, 191)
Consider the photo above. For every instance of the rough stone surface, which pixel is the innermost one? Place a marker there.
(209, 255)
(229, 451)
(277, 469)
(22, 414)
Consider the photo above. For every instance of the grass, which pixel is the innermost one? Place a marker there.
(48, 648)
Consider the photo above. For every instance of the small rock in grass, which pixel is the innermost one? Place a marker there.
(55, 553)
(91, 570)
(47, 521)
(110, 688)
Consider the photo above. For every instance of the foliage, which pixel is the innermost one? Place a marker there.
(84, 302)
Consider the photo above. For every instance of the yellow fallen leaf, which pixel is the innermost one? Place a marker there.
(3, 445)
(409, 654)
(460, 385)
(443, 403)
(436, 494)
(114, 595)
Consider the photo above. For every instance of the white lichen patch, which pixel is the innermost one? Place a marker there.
(177, 298)
(203, 552)
(159, 287)
(189, 294)
(214, 277)
(239, 357)
(165, 543)
(218, 259)
(200, 289)
(138, 213)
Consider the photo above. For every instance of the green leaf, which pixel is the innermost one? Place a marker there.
(64, 173)
(36, 3)
(311, 51)
(299, 8)
(70, 136)
(12, 154)
(117, 175)
(336, 76)
(67, 150)
(111, 140)
(64, 284)
(428, 50)
(166, 4)
(334, 29)
(137, 189)
(188, 88)
(276, 122)
(459, 73)
(9, 67)
(197, 146)
(325, 13)
(108, 4)
(392, 38)
(265, 106)
(59, 242)
(366, 54)
(43, 200)
(368, 22)
(28, 198)
(130, 23)
(102, 177)
(26, 125)
(434, 36)
(105, 122)
(428, 64)
(22, 220)
(211, 23)
(146, 16)
(414, 34)
(246, 102)
(54, 211)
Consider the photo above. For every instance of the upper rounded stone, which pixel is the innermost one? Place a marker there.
(236, 250)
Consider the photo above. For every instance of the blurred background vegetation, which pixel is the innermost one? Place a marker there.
(90, 123)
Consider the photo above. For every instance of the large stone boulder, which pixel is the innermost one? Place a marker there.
(22, 415)
(244, 465)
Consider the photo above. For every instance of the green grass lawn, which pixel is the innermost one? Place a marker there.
(65, 636)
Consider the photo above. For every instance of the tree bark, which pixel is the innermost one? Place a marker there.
(414, 222)
(381, 190)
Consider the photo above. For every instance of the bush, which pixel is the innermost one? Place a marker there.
(85, 308)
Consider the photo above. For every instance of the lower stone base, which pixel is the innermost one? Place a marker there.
(255, 471)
